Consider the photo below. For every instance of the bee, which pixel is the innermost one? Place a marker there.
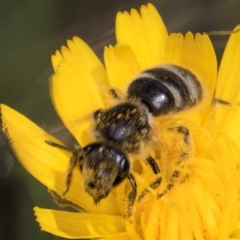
(125, 129)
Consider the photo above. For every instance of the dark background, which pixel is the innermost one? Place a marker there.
(30, 31)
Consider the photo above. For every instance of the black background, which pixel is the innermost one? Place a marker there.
(30, 31)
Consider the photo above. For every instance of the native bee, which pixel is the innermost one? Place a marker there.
(125, 128)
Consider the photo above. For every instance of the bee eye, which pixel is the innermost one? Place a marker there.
(97, 114)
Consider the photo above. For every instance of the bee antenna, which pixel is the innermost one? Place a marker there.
(53, 144)
(223, 33)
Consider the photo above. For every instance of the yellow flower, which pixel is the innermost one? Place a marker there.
(203, 203)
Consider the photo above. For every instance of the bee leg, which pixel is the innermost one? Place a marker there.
(113, 93)
(132, 195)
(171, 183)
(76, 157)
(183, 155)
(61, 202)
(186, 149)
(182, 130)
(217, 101)
(152, 163)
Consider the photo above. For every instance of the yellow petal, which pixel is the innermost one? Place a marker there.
(228, 82)
(46, 163)
(228, 119)
(78, 87)
(197, 55)
(80, 225)
(227, 116)
(145, 33)
(121, 65)
(123, 236)
(206, 64)
(56, 60)
(236, 233)
(27, 140)
(173, 52)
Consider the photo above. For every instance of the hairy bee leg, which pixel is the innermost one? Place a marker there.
(152, 163)
(155, 168)
(61, 202)
(76, 156)
(182, 130)
(132, 195)
(185, 151)
(114, 94)
(71, 166)
(183, 155)
(170, 185)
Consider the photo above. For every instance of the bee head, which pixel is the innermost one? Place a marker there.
(104, 167)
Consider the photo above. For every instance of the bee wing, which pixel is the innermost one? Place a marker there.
(61, 131)
(227, 95)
